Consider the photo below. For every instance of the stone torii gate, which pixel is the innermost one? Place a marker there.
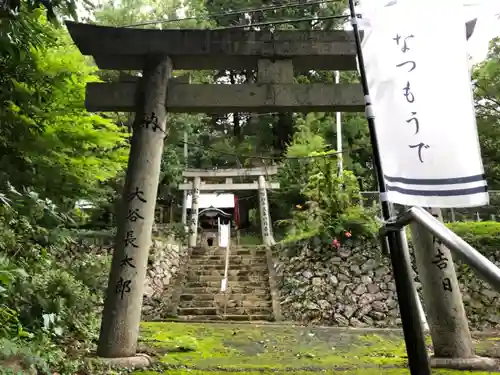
(197, 186)
(156, 53)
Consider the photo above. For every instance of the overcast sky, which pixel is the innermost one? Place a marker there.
(487, 28)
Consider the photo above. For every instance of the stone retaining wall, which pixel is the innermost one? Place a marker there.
(166, 259)
(353, 286)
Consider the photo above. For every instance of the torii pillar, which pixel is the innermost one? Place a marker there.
(123, 304)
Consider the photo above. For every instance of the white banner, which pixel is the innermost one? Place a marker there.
(417, 69)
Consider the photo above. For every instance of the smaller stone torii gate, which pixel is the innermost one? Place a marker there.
(274, 55)
(197, 186)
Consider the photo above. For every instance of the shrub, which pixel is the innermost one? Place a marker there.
(323, 203)
(484, 236)
(49, 295)
(332, 205)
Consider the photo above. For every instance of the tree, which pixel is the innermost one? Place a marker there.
(54, 8)
(52, 153)
(282, 125)
(19, 31)
(48, 141)
(155, 14)
(487, 101)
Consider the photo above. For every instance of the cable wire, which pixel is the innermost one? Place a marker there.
(297, 4)
(280, 22)
(258, 157)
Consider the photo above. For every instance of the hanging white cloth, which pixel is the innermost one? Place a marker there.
(419, 81)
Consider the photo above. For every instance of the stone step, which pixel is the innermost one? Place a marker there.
(230, 272)
(221, 266)
(218, 311)
(197, 304)
(222, 254)
(220, 296)
(244, 290)
(221, 262)
(236, 299)
(233, 246)
(197, 311)
(247, 310)
(238, 318)
(233, 259)
(254, 279)
(243, 287)
(232, 252)
(258, 304)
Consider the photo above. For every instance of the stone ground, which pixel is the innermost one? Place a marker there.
(225, 348)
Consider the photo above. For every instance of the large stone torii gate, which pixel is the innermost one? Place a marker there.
(274, 55)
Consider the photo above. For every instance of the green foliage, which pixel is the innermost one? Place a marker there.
(128, 12)
(487, 95)
(484, 236)
(328, 204)
(52, 153)
(176, 231)
(12, 9)
(46, 290)
(19, 359)
(10, 326)
(47, 139)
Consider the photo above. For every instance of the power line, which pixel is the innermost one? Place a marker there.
(258, 157)
(298, 4)
(280, 22)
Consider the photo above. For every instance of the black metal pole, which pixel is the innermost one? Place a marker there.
(418, 360)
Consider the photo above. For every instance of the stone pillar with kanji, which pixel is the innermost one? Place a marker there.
(123, 304)
(265, 220)
(445, 310)
(195, 205)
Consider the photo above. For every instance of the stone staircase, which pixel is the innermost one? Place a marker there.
(248, 294)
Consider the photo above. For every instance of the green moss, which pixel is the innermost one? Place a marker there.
(276, 349)
(273, 372)
(302, 236)
(250, 239)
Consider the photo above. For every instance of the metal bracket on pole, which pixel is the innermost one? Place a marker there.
(382, 233)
